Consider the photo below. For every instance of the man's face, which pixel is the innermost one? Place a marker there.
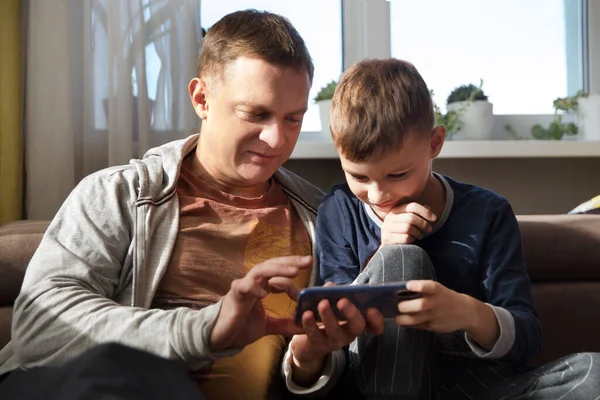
(251, 119)
(398, 177)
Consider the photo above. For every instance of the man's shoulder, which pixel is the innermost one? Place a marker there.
(300, 189)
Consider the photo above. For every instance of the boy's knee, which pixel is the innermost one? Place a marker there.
(399, 262)
(403, 250)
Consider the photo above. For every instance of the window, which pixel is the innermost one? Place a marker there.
(527, 53)
(321, 30)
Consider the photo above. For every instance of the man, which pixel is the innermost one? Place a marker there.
(194, 253)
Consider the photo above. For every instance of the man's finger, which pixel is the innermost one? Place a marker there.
(282, 326)
(375, 321)
(247, 288)
(330, 322)
(355, 322)
(264, 272)
(315, 335)
(284, 285)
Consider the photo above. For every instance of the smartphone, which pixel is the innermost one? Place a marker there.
(382, 296)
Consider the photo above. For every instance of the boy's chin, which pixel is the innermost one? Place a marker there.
(380, 213)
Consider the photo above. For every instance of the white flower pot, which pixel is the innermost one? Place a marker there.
(324, 111)
(477, 119)
(589, 117)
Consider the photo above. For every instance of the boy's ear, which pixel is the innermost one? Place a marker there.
(438, 135)
(198, 95)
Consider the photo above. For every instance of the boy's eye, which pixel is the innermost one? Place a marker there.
(397, 176)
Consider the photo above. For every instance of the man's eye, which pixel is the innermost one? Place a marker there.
(360, 178)
(255, 116)
(295, 120)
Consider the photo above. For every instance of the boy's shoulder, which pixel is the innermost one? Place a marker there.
(464, 191)
(340, 193)
(473, 200)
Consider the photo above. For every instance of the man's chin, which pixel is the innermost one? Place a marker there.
(257, 174)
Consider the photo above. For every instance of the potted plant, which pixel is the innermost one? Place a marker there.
(474, 111)
(588, 115)
(450, 120)
(323, 99)
(558, 128)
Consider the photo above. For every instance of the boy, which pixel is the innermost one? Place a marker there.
(457, 244)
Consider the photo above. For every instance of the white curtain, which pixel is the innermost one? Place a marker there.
(105, 81)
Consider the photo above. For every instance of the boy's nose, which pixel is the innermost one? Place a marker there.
(376, 195)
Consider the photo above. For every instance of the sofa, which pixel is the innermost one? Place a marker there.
(562, 253)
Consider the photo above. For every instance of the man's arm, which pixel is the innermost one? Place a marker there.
(316, 376)
(65, 304)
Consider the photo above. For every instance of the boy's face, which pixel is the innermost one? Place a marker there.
(399, 177)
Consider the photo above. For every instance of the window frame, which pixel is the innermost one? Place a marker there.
(370, 37)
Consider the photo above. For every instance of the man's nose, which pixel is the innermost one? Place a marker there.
(274, 135)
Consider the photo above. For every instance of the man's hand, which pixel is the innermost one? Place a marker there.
(309, 350)
(407, 223)
(242, 318)
(443, 310)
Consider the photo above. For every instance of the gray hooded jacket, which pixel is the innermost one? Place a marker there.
(108, 247)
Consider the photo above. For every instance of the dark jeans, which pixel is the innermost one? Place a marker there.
(406, 363)
(109, 371)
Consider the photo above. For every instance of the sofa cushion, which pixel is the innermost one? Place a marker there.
(561, 247)
(570, 317)
(18, 242)
(5, 320)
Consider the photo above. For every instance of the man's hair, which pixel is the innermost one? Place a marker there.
(253, 34)
(375, 105)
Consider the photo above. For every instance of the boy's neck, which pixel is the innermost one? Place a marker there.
(434, 195)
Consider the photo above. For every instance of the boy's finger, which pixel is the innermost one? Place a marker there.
(407, 221)
(421, 211)
(423, 286)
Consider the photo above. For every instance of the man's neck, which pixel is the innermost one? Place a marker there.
(210, 174)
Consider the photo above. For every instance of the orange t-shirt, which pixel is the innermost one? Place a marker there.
(221, 237)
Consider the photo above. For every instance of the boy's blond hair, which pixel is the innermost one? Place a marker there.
(253, 34)
(375, 105)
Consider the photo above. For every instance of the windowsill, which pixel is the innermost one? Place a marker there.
(313, 146)
(318, 145)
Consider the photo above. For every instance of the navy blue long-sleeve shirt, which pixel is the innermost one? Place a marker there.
(475, 249)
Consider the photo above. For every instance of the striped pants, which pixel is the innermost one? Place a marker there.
(405, 363)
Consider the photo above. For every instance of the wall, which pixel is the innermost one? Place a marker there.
(532, 185)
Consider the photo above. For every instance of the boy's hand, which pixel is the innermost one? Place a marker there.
(442, 310)
(407, 223)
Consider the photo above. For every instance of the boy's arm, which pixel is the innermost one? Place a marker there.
(507, 291)
(338, 261)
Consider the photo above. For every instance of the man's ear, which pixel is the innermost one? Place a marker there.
(438, 135)
(198, 95)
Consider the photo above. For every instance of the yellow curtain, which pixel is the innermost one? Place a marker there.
(11, 110)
